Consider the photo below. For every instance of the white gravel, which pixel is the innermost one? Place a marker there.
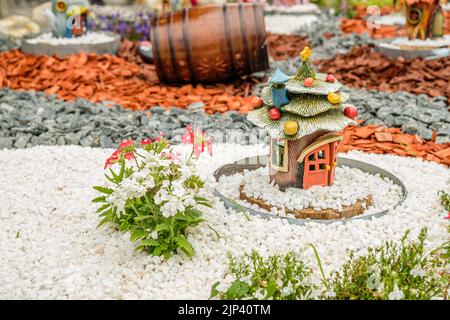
(435, 43)
(350, 186)
(288, 24)
(89, 38)
(52, 249)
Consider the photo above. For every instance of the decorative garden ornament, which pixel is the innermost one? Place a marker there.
(279, 93)
(303, 140)
(68, 18)
(424, 18)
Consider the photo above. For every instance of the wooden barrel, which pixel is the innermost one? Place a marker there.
(211, 43)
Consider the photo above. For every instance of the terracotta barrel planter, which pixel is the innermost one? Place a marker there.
(209, 43)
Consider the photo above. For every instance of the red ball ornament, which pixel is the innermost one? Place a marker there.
(330, 78)
(308, 82)
(274, 114)
(351, 112)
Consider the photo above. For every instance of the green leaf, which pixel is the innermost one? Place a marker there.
(271, 288)
(103, 189)
(185, 245)
(122, 172)
(141, 218)
(103, 207)
(104, 220)
(110, 179)
(150, 242)
(237, 290)
(99, 199)
(162, 227)
(136, 234)
(214, 291)
(115, 176)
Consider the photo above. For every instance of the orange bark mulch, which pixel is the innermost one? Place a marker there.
(381, 140)
(363, 67)
(283, 46)
(107, 77)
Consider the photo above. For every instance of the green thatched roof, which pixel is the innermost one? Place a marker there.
(332, 120)
(320, 87)
(305, 104)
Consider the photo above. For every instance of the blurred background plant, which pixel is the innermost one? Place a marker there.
(131, 26)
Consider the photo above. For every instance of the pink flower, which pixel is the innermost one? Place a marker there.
(145, 142)
(209, 146)
(188, 137)
(128, 155)
(448, 216)
(198, 149)
(112, 159)
(125, 143)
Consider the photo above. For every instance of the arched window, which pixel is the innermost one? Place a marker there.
(279, 154)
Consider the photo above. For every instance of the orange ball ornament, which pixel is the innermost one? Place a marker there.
(308, 82)
(333, 97)
(290, 127)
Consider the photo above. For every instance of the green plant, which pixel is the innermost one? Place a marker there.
(389, 271)
(275, 277)
(445, 200)
(392, 271)
(153, 195)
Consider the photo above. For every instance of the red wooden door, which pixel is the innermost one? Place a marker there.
(333, 161)
(317, 167)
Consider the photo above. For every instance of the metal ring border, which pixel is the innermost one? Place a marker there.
(253, 163)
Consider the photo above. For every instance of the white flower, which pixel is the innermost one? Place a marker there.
(279, 283)
(373, 282)
(161, 195)
(396, 294)
(246, 279)
(171, 207)
(154, 234)
(128, 189)
(189, 201)
(165, 184)
(260, 294)
(330, 294)
(418, 272)
(287, 290)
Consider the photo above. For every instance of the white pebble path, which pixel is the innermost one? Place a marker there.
(51, 248)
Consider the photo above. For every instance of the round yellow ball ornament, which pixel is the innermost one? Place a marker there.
(290, 127)
(333, 97)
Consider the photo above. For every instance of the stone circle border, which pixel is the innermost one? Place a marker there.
(253, 163)
(63, 50)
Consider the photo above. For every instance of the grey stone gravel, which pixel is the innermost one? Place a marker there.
(7, 43)
(29, 118)
(325, 48)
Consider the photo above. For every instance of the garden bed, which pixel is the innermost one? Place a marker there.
(52, 248)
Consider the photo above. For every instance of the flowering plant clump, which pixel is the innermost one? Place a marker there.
(134, 27)
(276, 277)
(387, 272)
(152, 195)
(394, 272)
(445, 202)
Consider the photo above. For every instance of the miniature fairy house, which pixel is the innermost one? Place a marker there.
(424, 18)
(68, 18)
(303, 131)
